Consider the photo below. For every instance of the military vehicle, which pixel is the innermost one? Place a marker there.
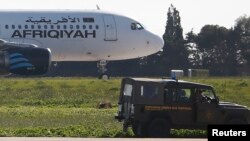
(154, 106)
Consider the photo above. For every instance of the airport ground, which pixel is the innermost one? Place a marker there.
(68, 107)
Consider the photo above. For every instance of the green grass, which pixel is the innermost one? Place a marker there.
(59, 121)
(76, 92)
(68, 106)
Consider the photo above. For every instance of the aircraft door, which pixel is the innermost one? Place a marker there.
(110, 28)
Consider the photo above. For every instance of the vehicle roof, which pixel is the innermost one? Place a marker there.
(171, 81)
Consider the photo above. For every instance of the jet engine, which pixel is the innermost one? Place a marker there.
(25, 61)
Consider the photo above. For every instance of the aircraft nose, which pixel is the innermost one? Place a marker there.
(159, 43)
(156, 43)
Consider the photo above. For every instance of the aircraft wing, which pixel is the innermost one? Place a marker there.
(23, 59)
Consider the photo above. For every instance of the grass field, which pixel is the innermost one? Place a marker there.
(68, 106)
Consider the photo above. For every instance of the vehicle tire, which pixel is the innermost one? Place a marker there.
(159, 128)
(138, 130)
(237, 121)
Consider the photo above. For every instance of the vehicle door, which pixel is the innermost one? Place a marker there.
(206, 109)
(126, 97)
(181, 108)
(148, 99)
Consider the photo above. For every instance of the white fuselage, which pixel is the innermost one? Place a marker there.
(80, 35)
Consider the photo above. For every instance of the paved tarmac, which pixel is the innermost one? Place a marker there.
(95, 139)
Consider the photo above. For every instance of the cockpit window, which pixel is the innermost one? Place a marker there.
(136, 26)
(139, 26)
(133, 26)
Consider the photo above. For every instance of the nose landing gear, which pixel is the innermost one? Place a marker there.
(102, 69)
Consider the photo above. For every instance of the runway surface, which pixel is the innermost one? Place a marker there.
(94, 139)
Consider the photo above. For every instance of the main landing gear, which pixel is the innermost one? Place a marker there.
(101, 65)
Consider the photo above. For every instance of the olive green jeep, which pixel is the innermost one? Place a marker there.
(154, 106)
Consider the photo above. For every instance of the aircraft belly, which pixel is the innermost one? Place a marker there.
(111, 51)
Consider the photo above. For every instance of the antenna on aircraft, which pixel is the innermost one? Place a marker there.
(98, 8)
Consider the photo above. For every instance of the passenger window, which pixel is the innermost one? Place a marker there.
(13, 26)
(77, 26)
(58, 26)
(127, 90)
(168, 93)
(174, 96)
(96, 27)
(183, 95)
(71, 27)
(64, 26)
(84, 27)
(51, 26)
(149, 91)
(6, 26)
(90, 26)
(32, 26)
(204, 95)
(45, 26)
(26, 26)
(39, 26)
(19, 27)
(208, 93)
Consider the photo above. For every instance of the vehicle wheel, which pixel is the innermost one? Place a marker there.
(237, 121)
(138, 130)
(159, 128)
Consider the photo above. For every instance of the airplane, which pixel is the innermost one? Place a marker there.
(31, 40)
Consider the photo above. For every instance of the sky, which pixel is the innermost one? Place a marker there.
(152, 13)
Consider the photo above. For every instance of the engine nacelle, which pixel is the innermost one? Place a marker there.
(25, 61)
